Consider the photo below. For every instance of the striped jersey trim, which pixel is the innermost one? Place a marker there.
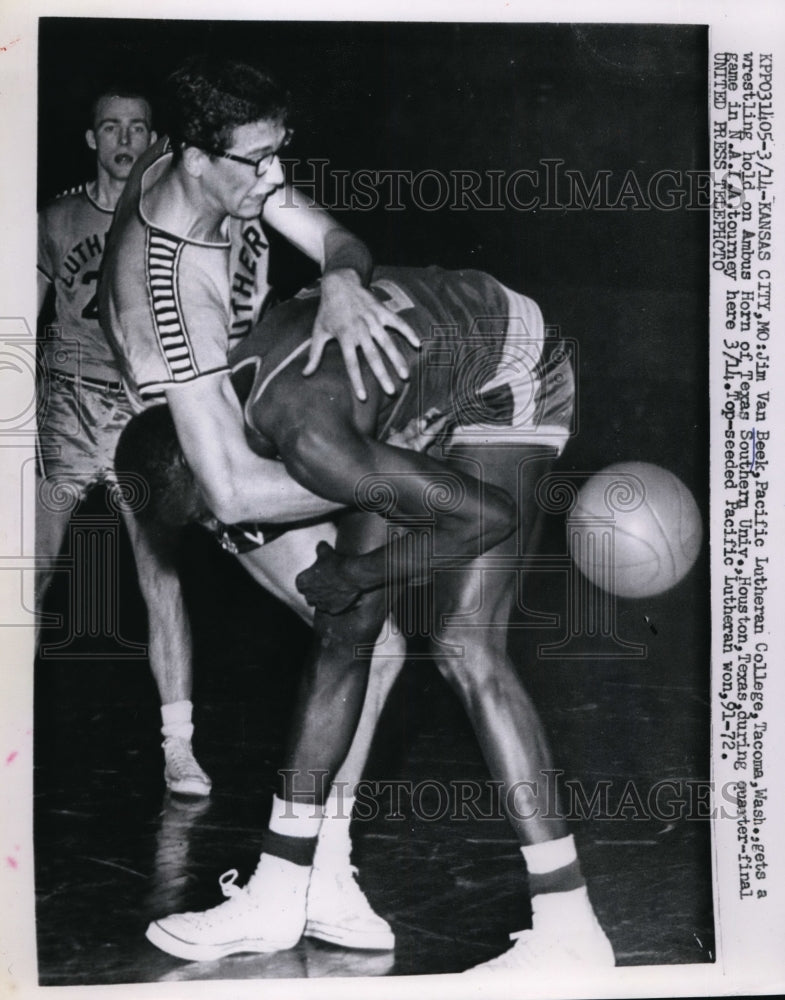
(76, 189)
(156, 391)
(162, 258)
(84, 190)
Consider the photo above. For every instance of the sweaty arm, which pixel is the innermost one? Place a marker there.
(327, 453)
(348, 312)
(237, 485)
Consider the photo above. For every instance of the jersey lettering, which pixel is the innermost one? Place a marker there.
(90, 311)
(82, 253)
(72, 232)
(249, 286)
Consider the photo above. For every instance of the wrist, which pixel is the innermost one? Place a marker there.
(368, 572)
(341, 273)
(345, 253)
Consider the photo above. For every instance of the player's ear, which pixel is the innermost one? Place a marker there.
(90, 139)
(194, 160)
(153, 136)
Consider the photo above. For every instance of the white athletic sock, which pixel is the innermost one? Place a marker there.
(557, 887)
(295, 819)
(176, 718)
(562, 909)
(334, 847)
(550, 855)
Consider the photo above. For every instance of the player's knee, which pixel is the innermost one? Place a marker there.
(468, 658)
(478, 681)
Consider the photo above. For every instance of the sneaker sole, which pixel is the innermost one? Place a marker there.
(163, 939)
(197, 789)
(347, 938)
(601, 958)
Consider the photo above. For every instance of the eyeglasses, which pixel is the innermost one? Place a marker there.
(263, 164)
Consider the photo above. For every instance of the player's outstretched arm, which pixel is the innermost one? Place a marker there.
(329, 455)
(348, 312)
(236, 484)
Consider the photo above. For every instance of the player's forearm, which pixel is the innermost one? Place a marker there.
(454, 514)
(408, 556)
(344, 251)
(259, 489)
(335, 581)
(317, 234)
(236, 483)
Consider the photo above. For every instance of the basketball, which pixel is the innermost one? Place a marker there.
(635, 529)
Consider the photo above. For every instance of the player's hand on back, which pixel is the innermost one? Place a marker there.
(350, 314)
(326, 585)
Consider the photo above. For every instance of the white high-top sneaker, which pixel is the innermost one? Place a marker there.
(565, 934)
(268, 914)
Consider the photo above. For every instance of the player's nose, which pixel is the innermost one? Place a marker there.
(273, 176)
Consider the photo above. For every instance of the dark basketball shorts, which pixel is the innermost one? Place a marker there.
(509, 385)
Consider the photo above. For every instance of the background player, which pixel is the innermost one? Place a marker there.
(86, 408)
(508, 404)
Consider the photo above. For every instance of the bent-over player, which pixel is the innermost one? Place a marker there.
(506, 396)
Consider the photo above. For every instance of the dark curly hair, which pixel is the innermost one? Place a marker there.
(207, 98)
(151, 467)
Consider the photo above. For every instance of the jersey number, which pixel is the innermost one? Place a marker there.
(90, 311)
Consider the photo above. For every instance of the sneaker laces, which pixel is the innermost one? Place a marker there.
(238, 898)
(180, 757)
(228, 884)
(228, 881)
(236, 903)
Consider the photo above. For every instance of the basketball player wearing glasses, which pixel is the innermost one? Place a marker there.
(184, 277)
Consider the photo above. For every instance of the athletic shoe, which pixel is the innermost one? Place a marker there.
(182, 774)
(267, 915)
(553, 948)
(339, 913)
